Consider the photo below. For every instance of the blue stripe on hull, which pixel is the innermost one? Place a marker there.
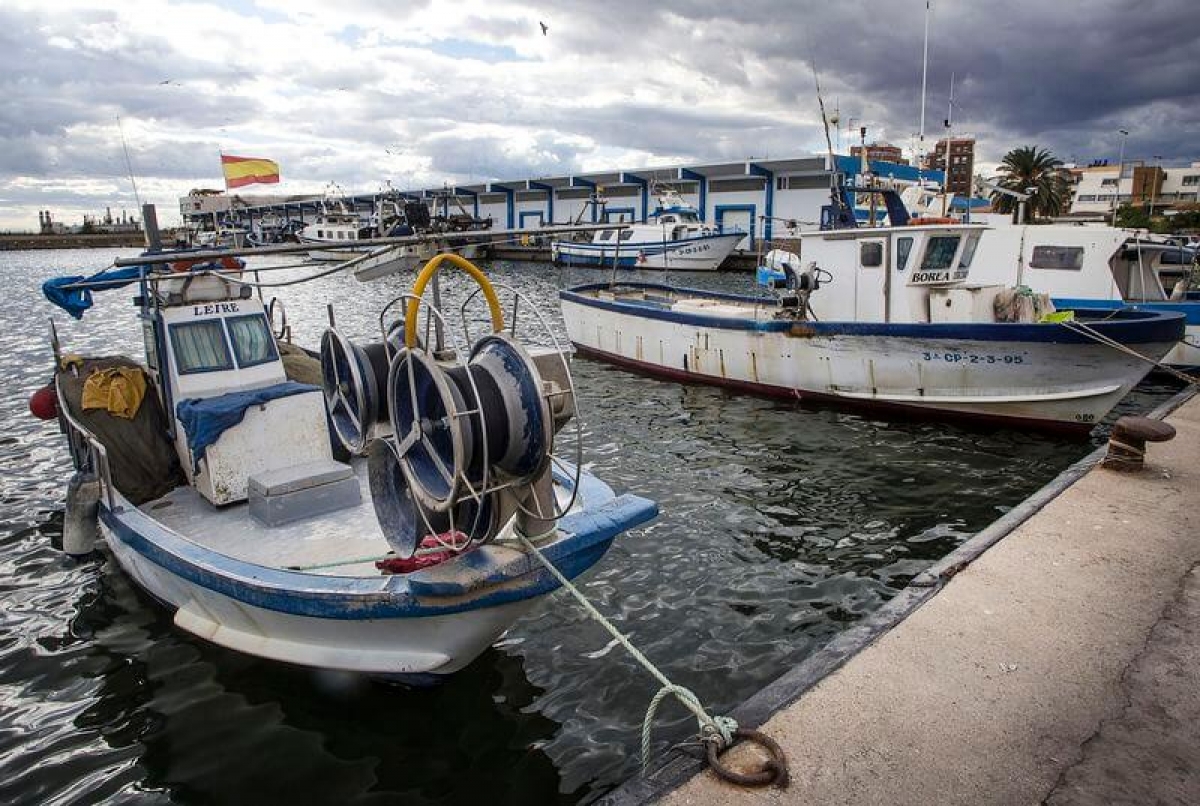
(1126, 326)
(361, 598)
(1189, 308)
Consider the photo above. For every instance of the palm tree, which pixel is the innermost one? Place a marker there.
(1029, 167)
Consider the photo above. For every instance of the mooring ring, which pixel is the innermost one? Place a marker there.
(775, 771)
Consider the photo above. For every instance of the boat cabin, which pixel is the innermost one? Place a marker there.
(896, 274)
(235, 418)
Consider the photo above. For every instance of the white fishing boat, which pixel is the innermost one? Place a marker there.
(890, 318)
(218, 490)
(336, 228)
(673, 238)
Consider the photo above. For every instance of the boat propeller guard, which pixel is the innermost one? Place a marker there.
(472, 427)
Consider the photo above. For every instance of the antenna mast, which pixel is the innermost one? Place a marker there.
(924, 75)
(949, 140)
(128, 164)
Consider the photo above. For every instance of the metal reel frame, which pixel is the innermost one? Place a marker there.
(353, 396)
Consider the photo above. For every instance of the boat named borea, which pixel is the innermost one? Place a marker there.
(401, 547)
(887, 318)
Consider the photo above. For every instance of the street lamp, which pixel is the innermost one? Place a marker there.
(1120, 171)
(1154, 186)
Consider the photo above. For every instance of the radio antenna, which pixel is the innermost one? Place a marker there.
(128, 163)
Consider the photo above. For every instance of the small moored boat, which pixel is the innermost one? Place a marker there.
(214, 471)
(674, 238)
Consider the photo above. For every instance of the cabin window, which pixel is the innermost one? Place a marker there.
(968, 253)
(252, 340)
(626, 234)
(939, 254)
(871, 254)
(200, 347)
(606, 235)
(1057, 257)
(903, 247)
(1191, 180)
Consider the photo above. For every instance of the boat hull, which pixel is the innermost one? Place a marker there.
(705, 253)
(1021, 374)
(1184, 354)
(422, 625)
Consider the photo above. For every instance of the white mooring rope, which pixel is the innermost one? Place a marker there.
(1092, 333)
(712, 729)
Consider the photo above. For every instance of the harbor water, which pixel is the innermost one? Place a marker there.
(782, 524)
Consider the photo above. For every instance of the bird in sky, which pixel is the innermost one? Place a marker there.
(544, 28)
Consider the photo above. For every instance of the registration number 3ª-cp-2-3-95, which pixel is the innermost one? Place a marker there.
(972, 358)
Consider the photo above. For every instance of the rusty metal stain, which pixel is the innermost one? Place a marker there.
(754, 365)
(801, 331)
(638, 348)
(721, 356)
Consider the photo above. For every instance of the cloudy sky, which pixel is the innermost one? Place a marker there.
(364, 92)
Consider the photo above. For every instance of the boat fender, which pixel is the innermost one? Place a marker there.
(80, 527)
(43, 403)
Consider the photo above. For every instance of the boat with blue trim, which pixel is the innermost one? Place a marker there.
(366, 512)
(889, 318)
(672, 238)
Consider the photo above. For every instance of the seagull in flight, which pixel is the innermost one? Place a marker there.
(544, 28)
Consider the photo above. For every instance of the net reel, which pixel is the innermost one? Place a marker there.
(471, 440)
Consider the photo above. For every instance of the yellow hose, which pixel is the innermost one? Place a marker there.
(489, 293)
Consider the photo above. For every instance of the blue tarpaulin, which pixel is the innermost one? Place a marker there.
(77, 300)
(205, 419)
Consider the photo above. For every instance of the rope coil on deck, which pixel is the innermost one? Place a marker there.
(716, 733)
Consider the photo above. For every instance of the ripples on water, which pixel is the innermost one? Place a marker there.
(780, 525)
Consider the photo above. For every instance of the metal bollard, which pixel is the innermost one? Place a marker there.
(1127, 443)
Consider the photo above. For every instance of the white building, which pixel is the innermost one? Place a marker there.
(1100, 190)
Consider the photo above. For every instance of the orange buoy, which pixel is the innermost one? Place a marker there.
(43, 403)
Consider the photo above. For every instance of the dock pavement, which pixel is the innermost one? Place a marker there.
(1062, 666)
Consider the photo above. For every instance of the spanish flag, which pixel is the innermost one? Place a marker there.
(241, 171)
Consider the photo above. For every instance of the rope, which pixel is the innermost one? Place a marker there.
(719, 729)
(1082, 329)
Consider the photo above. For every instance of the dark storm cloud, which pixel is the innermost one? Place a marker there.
(1063, 74)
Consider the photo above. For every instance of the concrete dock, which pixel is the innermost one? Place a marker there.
(1062, 666)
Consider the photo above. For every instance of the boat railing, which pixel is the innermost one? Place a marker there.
(83, 443)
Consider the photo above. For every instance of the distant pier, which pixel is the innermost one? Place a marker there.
(118, 240)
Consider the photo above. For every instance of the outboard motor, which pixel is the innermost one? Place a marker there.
(471, 438)
(797, 288)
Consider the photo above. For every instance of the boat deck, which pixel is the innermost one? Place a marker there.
(334, 537)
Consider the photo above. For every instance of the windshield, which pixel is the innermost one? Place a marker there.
(200, 347)
(940, 252)
(252, 341)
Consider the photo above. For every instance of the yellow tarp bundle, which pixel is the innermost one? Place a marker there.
(120, 390)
